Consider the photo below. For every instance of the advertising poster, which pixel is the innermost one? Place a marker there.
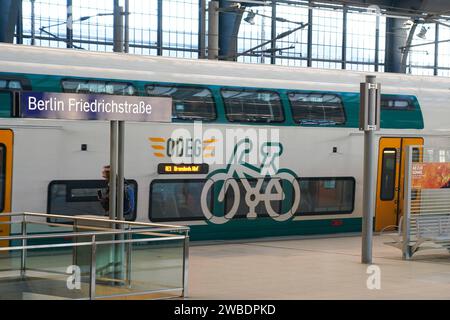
(434, 175)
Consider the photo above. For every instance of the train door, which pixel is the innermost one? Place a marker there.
(391, 178)
(6, 148)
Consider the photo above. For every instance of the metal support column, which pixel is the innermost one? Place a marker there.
(114, 125)
(118, 29)
(159, 35)
(186, 265)
(69, 25)
(310, 28)
(93, 271)
(33, 23)
(202, 29)
(128, 252)
(121, 261)
(436, 51)
(116, 199)
(273, 44)
(407, 205)
(407, 49)
(344, 37)
(113, 169)
(120, 170)
(369, 122)
(369, 196)
(19, 25)
(229, 23)
(377, 43)
(23, 260)
(127, 27)
(9, 10)
(213, 30)
(396, 37)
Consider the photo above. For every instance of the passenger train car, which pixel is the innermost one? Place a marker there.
(303, 120)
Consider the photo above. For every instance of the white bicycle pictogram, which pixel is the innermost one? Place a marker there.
(238, 170)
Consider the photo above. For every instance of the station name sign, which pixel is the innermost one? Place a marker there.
(170, 168)
(74, 106)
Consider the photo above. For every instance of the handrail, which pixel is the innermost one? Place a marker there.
(132, 223)
(80, 244)
(149, 230)
(75, 234)
(80, 234)
(91, 236)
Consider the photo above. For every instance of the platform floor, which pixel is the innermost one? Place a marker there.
(326, 268)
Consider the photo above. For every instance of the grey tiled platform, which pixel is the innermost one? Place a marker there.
(327, 268)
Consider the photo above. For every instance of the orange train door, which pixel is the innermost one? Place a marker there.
(391, 178)
(6, 148)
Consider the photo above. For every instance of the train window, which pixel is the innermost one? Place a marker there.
(10, 84)
(326, 196)
(6, 103)
(176, 200)
(2, 176)
(77, 197)
(188, 103)
(100, 87)
(396, 103)
(243, 208)
(252, 106)
(317, 108)
(416, 155)
(388, 174)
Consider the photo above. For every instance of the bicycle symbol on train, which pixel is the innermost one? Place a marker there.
(268, 188)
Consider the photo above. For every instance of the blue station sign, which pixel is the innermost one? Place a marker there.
(73, 106)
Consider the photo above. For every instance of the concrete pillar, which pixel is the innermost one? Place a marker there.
(396, 38)
(213, 30)
(229, 23)
(9, 9)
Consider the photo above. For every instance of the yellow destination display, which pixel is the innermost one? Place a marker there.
(170, 168)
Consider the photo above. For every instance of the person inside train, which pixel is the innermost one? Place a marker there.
(128, 197)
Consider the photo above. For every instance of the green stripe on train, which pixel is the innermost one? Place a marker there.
(390, 119)
(253, 229)
(266, 227)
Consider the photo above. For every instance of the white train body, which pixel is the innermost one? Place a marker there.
(50, 150)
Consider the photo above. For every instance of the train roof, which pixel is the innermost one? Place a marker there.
(80, 63)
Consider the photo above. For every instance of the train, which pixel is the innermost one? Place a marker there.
(250, 151)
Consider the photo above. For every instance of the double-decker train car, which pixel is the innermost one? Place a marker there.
(251, 151)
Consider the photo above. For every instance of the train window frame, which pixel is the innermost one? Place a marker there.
(383, 168)
(409, 100)
(130, 84)
(24, 83)
(3, 174)
(242, 196)
(181, 180)
(262, 121)
(7, 87)
(328, 123)
(187, 119)
(297, 213)
(12, 96)
(91, 184)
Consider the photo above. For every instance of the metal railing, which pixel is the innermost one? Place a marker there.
(111, 258)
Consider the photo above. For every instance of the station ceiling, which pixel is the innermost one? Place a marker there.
(434, 8)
